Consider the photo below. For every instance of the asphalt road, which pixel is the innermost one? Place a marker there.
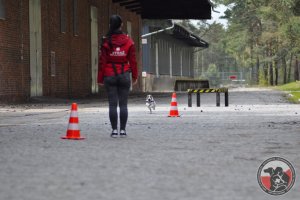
(207, 153)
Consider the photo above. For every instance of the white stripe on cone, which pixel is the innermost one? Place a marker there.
(174, 108)
(174, 100)
(73, 127)
(74, 114)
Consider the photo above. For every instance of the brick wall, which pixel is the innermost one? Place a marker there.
(72, 52)
(14, 52)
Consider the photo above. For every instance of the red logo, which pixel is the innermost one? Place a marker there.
(276, 176)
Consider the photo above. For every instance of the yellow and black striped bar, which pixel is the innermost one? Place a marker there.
(208, 90)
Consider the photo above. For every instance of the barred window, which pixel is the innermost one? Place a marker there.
(2, 9)
(75, 17)
(62, 16)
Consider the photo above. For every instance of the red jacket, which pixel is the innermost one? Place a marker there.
(123, 52)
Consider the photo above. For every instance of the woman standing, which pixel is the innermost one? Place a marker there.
(117, 60)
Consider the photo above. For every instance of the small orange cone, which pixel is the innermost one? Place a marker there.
(73, 132)
(174, 110)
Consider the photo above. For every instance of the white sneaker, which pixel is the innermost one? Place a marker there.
(114, 134)
(123, 133)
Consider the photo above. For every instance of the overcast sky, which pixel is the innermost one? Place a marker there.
(216, 16)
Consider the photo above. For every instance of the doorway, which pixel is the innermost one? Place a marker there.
(36, 76)
(94, 48)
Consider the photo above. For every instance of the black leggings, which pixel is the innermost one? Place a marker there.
(117, 88)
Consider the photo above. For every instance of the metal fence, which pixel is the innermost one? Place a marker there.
(226, 78)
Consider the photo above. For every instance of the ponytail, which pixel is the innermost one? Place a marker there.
(115, 23)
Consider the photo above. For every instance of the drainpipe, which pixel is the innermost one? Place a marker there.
(213, 6)
(159, 31)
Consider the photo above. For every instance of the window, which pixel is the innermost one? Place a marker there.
(2, 9)
(62, 16)
(75, 17)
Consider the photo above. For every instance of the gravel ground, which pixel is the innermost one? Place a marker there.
(207, 153)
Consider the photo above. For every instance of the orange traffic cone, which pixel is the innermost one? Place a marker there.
(174, 110)
(73, 132)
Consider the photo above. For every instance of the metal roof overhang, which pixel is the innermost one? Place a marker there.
(169, 9)
(181, 33)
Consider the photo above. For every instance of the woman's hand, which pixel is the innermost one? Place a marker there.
(101, 84)
(134, 82)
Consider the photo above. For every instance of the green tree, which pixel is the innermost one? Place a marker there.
(261, 35)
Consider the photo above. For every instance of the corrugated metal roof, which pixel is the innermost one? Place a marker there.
(175, 30)
(169, 9)
(182, 33)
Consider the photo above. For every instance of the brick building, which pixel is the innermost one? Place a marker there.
(50, 48)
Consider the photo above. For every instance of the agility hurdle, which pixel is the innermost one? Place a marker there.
(203, 91)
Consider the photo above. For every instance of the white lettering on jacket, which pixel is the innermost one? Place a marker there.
(118, 52)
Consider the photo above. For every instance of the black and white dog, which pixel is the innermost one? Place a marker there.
(150, 103)
(279, 179)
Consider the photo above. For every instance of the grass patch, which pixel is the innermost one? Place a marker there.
(294, 86)
(293, 90)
